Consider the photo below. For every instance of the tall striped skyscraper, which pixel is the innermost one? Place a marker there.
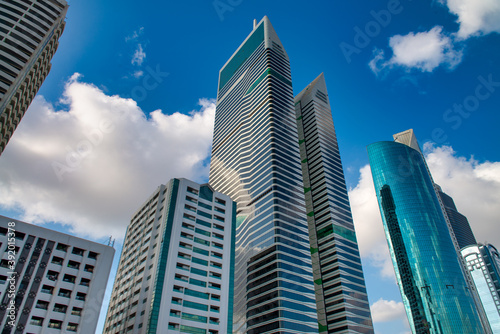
(341, 296)
(256, 161)
(29, 34)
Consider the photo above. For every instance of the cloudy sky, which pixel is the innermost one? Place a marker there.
(129, 104)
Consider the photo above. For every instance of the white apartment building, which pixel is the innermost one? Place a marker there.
(176, 268)
(50, 282)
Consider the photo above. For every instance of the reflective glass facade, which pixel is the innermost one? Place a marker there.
(256, 161)
(459, 223)
(483, 263)
(341, 297)
(427, 268)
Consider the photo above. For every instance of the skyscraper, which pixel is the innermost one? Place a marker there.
(29, 34)
(176, 267)
(341, 297)
(459, 223)
(256, 161)
(428, 270)
(483, 263)
(50, 281)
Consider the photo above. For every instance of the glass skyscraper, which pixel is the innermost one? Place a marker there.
(427, 267)
(256, 161)
(458, 222)
(341, 297)
(483, 263)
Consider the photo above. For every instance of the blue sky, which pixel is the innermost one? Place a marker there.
(129, 104)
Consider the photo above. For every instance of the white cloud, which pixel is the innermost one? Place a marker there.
(138, 74)
(139, 56)
(475, 17)
(93, 165)
(423, 51)
(368, 223)
(474, 186)
(387, 310)
(135, 35)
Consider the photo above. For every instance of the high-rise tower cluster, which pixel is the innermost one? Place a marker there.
(297, 266)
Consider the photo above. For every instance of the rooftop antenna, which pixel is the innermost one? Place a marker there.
(111, 241)
(254, 23)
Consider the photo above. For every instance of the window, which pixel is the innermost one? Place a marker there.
(85, 282)
(216, 265)
(192, 191)
(62, 247)
(175, 313)
(47, 289)
(93, 255)
(72, 327)
(60, 308)
(173, 326)
(69, 278)
(214, 308)
(215, 275)
(42, 304)
(218, 255)
(78, 251)
(55, 324)
(52, 275)
(57, 260)
(214, 285)
(220, 201)
(89, 268)
(215, 297)
(76, 311)
(36, 321)
(81, 296)
(181, 277)
(3, 279)
(4, 263)
(64, 293)
(214, 321)
(73, 264)
(188, 226)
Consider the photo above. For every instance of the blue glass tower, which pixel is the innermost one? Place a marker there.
(427, 267)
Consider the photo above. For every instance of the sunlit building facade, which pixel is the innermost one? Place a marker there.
(428, 270)
(341, 297)
(176, 268)
(50, 282)
(29, 37)
(256, 161)
(483, 263)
